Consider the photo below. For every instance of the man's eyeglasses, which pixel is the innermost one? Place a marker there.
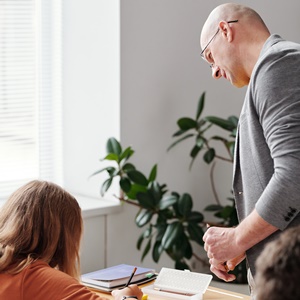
(201, 54)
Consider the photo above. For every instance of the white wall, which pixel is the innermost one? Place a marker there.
(91, 88)
(162, 77)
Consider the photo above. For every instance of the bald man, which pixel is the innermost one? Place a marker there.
(238, 46)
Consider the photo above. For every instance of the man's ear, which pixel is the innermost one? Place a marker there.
(226, 30)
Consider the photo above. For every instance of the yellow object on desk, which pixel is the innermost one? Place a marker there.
(145, 297)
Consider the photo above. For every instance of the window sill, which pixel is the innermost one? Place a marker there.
(91, 206)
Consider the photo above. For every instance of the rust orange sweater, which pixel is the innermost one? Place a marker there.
(39, 281)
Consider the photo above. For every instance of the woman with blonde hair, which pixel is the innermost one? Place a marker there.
(40, 232)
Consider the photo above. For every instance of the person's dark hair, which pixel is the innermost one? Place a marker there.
(278, 268)
(40, 221)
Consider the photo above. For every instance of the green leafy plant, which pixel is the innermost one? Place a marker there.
(198, 128)
(168, 220)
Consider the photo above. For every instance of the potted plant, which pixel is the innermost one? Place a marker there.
(168, 220)
(198, 128)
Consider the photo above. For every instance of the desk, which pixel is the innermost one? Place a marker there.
(212, 293)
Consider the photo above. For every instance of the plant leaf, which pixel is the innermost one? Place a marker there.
(200, 105)
(140, 241)
(157, 251)
(128, 167)
(233, 133)
(137, 177)
(180, 248)
(136, 188)
(213, 207)
(178, 133)
(146, 234)
(225, 124)
(111, 156)
(180, 140)
(188, 250)
(173, 231)
(126, 154)
(155, 191)
(209, 155)
(143, 217)
(164, 215)
(195, 216)
(196, 233)
(191, 164)
(113, 146)
(110, 171)
(146, 250)
(185, 204)
(153, 173)
(226, 212)
(181, 265)
(234, 120)
(106, 185)
(195, 151)
(161, 229)
(219, 138)
(163, 188)
(125, 184)
(231, 146)
(200, 141)
(187, 123)
(167, 201)
(146, 200)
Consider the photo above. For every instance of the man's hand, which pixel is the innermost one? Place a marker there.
(221, 269)
(221, 244)
(224, 244)
(223, 251)
(229, 244)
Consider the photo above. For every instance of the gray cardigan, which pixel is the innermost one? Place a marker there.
(267, 156)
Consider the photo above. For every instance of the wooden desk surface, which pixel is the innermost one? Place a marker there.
(212, 293)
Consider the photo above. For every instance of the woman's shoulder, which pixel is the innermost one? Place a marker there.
(50, 283)
(37, 281)
(42, 270)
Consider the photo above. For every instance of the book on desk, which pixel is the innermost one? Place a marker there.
(116, 277)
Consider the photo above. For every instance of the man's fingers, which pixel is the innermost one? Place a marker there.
(222, 274)
(221, 266)
(235, 261)
(226, 267)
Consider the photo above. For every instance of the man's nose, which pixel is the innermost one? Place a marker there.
(216, 72)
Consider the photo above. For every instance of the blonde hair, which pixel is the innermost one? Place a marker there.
(40, 221)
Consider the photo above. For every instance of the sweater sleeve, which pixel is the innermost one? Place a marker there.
(43, 282)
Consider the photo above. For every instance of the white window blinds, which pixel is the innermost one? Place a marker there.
(30, 92)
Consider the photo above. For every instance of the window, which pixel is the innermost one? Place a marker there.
(30, 92)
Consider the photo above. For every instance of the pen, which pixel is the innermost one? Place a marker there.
(129, 280)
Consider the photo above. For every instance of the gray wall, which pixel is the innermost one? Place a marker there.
(162, 77)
